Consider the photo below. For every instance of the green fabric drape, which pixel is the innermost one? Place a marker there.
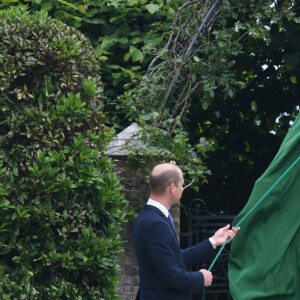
(264, 258)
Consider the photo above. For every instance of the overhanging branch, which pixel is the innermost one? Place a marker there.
(213, 11)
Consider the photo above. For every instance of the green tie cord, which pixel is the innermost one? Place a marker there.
(250, 211)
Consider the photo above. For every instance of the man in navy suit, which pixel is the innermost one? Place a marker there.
(162, 264)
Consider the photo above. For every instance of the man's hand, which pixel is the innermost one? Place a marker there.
(207, 277)
(223, 233)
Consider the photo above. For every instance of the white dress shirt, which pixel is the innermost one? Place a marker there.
(158, 205)
(165, 211)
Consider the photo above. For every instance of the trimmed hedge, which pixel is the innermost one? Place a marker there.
(60, 202)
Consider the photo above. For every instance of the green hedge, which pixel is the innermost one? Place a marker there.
(60, 201)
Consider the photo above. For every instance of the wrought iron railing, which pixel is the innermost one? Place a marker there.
(201, 225)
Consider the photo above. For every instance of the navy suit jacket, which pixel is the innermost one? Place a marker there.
(162, 264)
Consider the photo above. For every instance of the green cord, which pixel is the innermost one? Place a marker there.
(250, 211)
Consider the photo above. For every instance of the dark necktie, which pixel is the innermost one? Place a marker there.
(171, 220)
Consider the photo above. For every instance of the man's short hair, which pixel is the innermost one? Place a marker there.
(160, 182)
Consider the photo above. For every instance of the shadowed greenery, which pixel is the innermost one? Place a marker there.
(60, 205)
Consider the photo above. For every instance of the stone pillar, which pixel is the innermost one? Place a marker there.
(129, 272)
(136, 192)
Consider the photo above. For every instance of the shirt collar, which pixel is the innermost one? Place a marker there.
(158, 205)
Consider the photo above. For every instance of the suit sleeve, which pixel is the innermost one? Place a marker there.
(199, 253)
(164, 252)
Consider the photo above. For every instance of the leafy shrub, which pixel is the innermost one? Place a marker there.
(125, 34)
(60, 205)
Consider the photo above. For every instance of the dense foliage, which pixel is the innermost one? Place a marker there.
(60, 206)
(125, 33)
(213, 82)
(248, 127)
(197, 75)
(228, 74)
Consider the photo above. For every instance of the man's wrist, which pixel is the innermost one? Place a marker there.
(213, 243)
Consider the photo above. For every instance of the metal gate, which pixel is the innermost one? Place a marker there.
(201, 225)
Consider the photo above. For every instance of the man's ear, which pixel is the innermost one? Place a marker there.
(172, 187)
